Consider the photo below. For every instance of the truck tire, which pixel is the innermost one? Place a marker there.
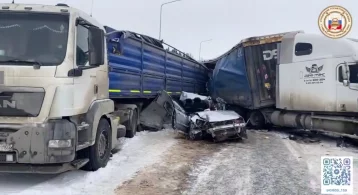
(133, 125)
(100, 152)
(257, 119)
(140, 128)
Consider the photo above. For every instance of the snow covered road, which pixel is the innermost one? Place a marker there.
(265, 164)
(136, 153)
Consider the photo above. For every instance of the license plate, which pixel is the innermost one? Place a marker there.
(4, 147)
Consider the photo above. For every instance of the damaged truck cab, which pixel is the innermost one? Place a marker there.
(55, 114)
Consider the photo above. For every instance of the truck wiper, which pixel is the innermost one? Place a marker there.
(36, 64)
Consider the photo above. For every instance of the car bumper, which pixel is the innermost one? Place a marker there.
(28, 145)
(223, 132)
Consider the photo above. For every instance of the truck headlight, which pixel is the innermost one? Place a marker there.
(60, 143)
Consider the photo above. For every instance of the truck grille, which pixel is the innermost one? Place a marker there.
(4, 133)
(21, 102)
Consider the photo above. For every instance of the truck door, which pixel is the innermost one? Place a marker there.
(347, 88)
(86, 88)
(263, 58)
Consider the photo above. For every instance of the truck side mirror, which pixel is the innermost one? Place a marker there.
(345, 74)
(96, 46)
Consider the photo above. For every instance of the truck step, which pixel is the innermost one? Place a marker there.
(79, 163)
(82, 146)
(121, 131)
(336, 118)
(83, 126)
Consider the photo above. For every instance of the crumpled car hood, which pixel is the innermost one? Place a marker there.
(216, 116)
(186, 95)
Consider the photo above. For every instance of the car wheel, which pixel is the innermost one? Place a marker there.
(194, 134)
(100, 152)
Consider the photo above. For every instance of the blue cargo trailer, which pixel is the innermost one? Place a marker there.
(140, 67)
(245, 76)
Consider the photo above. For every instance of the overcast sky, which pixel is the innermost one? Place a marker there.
(188, 22)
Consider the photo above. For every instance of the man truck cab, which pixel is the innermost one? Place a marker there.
(55, 114)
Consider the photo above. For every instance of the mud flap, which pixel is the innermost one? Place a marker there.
(158, 112)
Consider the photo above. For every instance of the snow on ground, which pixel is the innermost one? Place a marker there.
(266, 163)
(311, 155)
(135, 154)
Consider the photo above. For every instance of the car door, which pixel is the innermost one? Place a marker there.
(181, 120)
(158, 112)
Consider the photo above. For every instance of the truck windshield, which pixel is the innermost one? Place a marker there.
(28, 38)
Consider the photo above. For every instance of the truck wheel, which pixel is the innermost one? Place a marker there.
(140, 128)
(257, 119)
(133, 125)
(100, 152)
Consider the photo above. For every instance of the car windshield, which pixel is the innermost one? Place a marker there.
(33, 37)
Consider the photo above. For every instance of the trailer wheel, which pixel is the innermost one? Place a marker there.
(100, 152)
(133, 125)
(140, 128)
(257, 119)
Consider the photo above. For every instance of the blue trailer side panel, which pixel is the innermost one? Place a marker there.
(249, 79)
(246, 76)
(139, 69)
(230, 81)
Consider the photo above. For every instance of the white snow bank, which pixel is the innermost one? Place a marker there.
(136, 153)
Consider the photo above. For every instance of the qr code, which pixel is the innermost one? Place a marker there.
(337, 172)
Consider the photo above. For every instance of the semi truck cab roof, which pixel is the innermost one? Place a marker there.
(59, 8)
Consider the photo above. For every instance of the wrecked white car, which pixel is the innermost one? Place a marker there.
(220, 125)
(193, 117)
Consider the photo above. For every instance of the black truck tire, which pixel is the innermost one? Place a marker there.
(257, 119)
(100, 152)
(133, 125)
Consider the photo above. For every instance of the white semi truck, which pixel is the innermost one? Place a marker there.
(50, 120)
(66, 87)
(292, 79)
